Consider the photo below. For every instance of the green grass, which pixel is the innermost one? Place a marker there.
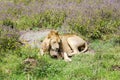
(101, 23)
(83, 67)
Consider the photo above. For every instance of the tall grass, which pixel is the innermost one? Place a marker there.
(93, 18)
(102, 65)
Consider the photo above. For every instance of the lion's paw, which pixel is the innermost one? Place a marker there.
(68, 60)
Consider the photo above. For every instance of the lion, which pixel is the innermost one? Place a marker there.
(65, 45)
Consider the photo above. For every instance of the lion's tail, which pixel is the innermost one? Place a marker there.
(85, 49)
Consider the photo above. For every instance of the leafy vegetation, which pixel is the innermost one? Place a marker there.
(97, 20)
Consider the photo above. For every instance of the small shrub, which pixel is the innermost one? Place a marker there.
(2, 75)
(26, 52)
(115, 40)
(9, 39)
(24, 22)
(45, 67)
(95, 34)
(8, 22)
(96, 31)
(53, 19)
(47, 19)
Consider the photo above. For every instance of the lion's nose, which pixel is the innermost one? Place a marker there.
(57, 49)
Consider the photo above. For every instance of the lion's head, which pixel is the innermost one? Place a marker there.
(52, 43)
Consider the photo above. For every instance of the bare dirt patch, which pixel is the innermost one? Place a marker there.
(33, 38)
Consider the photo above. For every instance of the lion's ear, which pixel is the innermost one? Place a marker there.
(53, 32)
(56, 32)
(49, 36)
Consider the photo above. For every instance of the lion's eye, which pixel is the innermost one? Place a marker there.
(54, 41)
(59, 41)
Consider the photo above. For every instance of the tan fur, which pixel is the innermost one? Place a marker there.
(75, 43)
(71, 44)
(68, 44)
